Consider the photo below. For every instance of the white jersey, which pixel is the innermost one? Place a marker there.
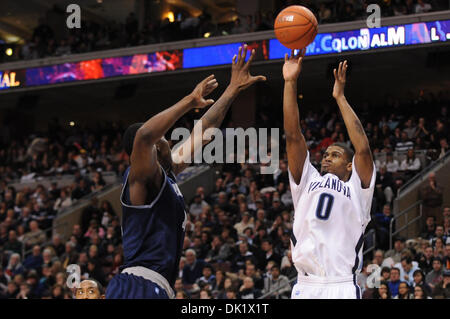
(329, 222)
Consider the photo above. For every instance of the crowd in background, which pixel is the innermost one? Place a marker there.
(93, 36)
(237, 242)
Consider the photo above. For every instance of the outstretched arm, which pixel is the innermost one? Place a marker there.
(145, 173)
(240, 80)
(295, 141)
(363, 154)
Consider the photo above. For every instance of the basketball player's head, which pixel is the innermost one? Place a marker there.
(162, 146)
(337, 160)
(89, 289)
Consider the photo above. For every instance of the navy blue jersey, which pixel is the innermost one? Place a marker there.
(153, 234)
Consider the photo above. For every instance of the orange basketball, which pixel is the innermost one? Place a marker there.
(295, 27)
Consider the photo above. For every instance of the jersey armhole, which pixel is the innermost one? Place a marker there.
(122, 195)
(307, 172)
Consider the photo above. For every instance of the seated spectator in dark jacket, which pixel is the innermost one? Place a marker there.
(248, 290)
(57, 245)
(82, 189)
(419, 280)
(426, 260)
(429, 228)
(268, 254)
(382, 226)
(35, 260)
(13, 245)
(193, 268)
(14, 267)
(243, 255)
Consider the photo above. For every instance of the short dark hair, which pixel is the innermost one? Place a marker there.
(347, 150)
(407, 259)
(395, 268)
(128, 137)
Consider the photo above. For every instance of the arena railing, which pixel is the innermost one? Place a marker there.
(405, 212)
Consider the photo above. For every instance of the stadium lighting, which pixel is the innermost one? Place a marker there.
(9, 51)
(72, 123)
(207, 35)
(171, 16)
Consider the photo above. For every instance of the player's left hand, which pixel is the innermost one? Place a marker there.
(340, 78)
(203, 89)
(240, 73)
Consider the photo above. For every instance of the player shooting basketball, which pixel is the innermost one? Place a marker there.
(332, 208)
(154, 218)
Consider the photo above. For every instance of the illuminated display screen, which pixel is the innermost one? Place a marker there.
(325, 43)
(369, 39)
(221, 54)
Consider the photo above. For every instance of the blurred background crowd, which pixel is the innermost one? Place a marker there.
(237, 242)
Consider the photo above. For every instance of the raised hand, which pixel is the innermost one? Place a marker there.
(339, 79)
(293, 65)
(240, 73)
(203, 89)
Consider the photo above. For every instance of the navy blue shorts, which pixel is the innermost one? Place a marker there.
(128, 286)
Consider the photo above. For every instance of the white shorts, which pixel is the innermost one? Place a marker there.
(313, 287)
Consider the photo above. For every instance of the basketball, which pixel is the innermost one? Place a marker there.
(295, 27)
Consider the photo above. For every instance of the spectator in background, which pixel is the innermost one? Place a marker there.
(197, 206)
(193, 268)
(35, 260)
(382, 292)
(247, 221)
(420, 293)
(407, 268)
(248, 290)
(422, 7)
(63, 201)
(396, 253)
(426, 260)
(14, 267)
(208, 280)
(429, 228)
(404, 143)
(404, 292)
(268, 253)
(35, 236)
(442, 290)
(13, 245)
(419, 280)
(394, 281)
(410, 165)
(435, 276)
(277, 283)
(432, 196)
(391, 164)
(383, 222)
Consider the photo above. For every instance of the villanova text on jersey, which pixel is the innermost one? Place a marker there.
(331, 183)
